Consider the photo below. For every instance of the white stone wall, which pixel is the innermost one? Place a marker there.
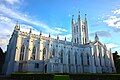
(92, 57)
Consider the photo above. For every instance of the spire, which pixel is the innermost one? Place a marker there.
(30, 31)
(72, 19)
(85, 17)
(17, 26)
(96, 37)
(79, 16)
(17, 23)
(40, 33)
(57, 37)
(49, 34)
(65, 38)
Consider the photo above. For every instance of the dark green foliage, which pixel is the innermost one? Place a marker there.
(2, 59)
(33, 76)
(66, 77)
(116, 58)
(94, 76)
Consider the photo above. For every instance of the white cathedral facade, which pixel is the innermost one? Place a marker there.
(40, 54)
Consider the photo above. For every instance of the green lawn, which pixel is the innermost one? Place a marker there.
(61, 77)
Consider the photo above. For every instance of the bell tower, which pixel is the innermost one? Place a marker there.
(84, 31)
(76, 30)
(79, 30)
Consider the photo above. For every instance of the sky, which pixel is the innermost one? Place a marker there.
(54, 17)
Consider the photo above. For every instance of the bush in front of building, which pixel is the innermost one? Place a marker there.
(32, 76)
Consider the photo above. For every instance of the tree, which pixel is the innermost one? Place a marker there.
(1, 59)
(116, 58)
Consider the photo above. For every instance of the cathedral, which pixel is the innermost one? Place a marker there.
(39, 54)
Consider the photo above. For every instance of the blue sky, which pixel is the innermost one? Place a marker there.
(54, 17)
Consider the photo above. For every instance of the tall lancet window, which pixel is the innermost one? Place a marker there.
(74, 30)
(69, 61)
(22, 52)
(75, 57)
(82, 59)
(61, 56)
(53, 52)
(68, 57)
(88, 59)
(100, 54)
(33, 53)
(95, 55)
(77, 28)
(44, 53)
(77, 40)
(22, 49)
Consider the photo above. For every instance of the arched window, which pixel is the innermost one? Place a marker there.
(69, 61)
(77, 40)
(82, 58)
(61, 56)
(44, 53)
(53, 52)
(26, 49)
(100, 54)
(74, 30)
(105, 59)
(33, 53)
(68, 57)
(22, 48)
(21, 56)
(36, 65)
(77, 28)
(88, 59)
(34, 50)
(22, 52)
(75, 57)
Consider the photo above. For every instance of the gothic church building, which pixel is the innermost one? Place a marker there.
(40, 54)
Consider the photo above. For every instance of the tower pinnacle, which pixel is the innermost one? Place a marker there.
(96, 37)
(79, 15)
(30, 31)
(17, 26)
(72, 19)
(40, 33)
(85, 17)
(49, 34)
(57, 36)
(65, 38)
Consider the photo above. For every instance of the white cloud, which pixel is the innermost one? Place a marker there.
(12, 2)
(101, 34)
(3, 41)
(114, 19)
(116, 11)
(27, 19)
(112, 45)
(9, 16)
(4, 19)
(60, 29)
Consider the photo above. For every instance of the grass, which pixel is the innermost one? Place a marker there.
(41, 76)
(61, 77)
